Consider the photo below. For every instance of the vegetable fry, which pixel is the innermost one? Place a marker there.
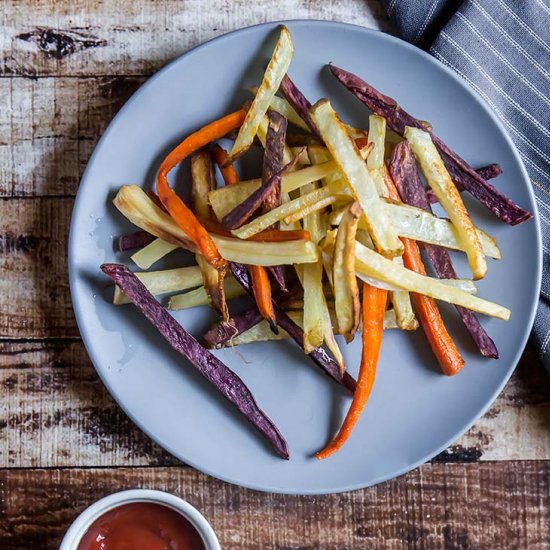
(346, 291)
(439, 180)
(401, 301)
(375, 162)
(407, 180)
(199, 296)
(242, 212)
(374, 305)
(357, 176)
(224, 199)
(372, 264)
(300, 104)
(284, 108)
(419, 225)
(177, 209)
(276, 69)
(162, 282)
(313, 306)
(319, 355)
(202, 177)
(152, 253)
(209, 366)
(227, 170)
(262, 294)
(131, 241)
(397, 119)
(135, 205)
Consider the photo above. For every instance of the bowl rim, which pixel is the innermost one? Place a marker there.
(84, 520)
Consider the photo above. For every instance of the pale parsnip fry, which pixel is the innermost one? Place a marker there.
(327, 254)
(312, 208)
(199, 297)
(163, 282)
(372, 264)
(286, 209)
(283, 107)
(314, 305)
(419, 225)
(152, 253)
(346, 291)
(276, 70)
(202, 177)
(357, 176)
(135, 205)
(443, 187)
(375, 162)
(328, 332)
(224, 199)
(401, 300)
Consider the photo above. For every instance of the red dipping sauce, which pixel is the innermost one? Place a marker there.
(141, 526)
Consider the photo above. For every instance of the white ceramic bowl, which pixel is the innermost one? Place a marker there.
(87, 517)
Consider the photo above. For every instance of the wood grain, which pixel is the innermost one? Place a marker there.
(460, 506)
(57, 413)
(123, 37)
(49, 128)
(34, 287)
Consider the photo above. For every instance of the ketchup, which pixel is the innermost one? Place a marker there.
(141, 526)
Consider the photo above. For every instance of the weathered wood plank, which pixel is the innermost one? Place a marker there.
(55, 412)
(49, 128)
(34, 287)
(138, 37)
(492, 505)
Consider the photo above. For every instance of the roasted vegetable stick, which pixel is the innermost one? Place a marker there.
(135, 205)
(165, 281)
(152, 253)
(407, 180)
(224, 199)
(199, 296)
(374, 305)
(419, 225)
(300, 104)
(357, 176)
(397, 118)
(133, 241)
(401, 300)
(209, 366)
(221, 157)
(439, 180)
(375, 265)
(314, 306)
(265, 221)
(284, 108)
(346, 291)
(262, 294)
(319, 355)
(375, 162)
(178, 210)
(276, 70)
(244, 211)
(202, 177)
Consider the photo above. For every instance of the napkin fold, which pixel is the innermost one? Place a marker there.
(501, 48)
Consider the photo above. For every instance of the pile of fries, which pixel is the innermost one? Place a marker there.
(326, 241)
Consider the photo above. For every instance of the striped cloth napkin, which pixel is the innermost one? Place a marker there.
(501, 48)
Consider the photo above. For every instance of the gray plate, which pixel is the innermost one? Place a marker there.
(414, 411)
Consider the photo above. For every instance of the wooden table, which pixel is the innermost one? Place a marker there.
(66, 67)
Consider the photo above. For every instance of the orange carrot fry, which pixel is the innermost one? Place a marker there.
(181, 214)
(374, 306)
(440, 341)
(262, 294)
(220, 156)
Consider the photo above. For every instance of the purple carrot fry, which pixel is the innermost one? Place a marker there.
(221, 332)
(219, 375)
(460, 171)
(407, 180)
(133, 241)
(273, 158)
(242, 212)
(318, 355)
(300, 104)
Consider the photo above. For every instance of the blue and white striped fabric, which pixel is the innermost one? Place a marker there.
(501, 48)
